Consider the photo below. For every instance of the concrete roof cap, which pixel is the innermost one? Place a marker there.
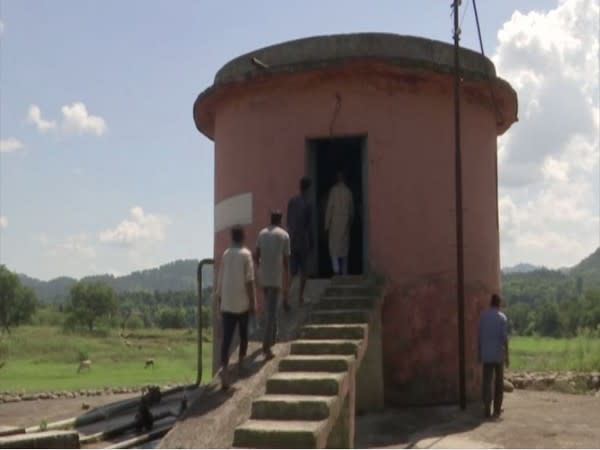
(325, 52)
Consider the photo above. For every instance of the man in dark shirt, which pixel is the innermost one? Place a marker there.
(493, 354)
(299, 225)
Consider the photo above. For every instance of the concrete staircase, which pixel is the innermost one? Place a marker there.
(311, 401)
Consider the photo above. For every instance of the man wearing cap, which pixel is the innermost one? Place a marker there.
(272, 259)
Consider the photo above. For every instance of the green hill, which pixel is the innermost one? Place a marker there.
(589, 270)
(175, 276)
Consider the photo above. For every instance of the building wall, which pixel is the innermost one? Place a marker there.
(260, 136)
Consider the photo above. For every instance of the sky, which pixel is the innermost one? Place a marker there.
(103, 171)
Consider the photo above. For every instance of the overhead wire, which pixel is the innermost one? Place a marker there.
(492, 94)
(462, 19)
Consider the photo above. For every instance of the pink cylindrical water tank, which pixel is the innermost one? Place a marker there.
(380, 108)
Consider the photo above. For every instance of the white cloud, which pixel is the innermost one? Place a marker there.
(3, 222)
(75, 120)
(34, 116)
(140, 227)
(79, 246)
(555, 170)
(10, 145)
(2, 27)
(549, 161)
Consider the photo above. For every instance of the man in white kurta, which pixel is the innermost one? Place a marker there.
(338, 218)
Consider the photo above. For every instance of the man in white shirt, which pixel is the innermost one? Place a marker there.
(272, 259)
(338, 220)
(235, 297)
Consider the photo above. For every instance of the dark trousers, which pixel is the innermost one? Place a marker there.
(230, 320)
(493, 373)
(271, 299)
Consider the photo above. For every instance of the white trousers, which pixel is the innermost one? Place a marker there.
(340, 265)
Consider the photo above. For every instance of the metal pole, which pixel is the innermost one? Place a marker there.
(200, 324)
(460, 288)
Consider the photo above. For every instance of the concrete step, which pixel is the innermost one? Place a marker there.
(324, 331)
(44, 439)
(352, 290)
(340, 316)
(352, 280)
(316, 363)
(305, 383)
(325, 347)
(292, 407)
(280, 434)
(345, 302)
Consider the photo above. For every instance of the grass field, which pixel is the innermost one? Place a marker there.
(547, 354)
(45, 359)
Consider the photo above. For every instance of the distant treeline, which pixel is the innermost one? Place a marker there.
(175, 276)
(134, 310)
(551, 303)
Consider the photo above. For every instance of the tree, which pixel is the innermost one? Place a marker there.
(17, 303)
(172, 318)
(518, 318)
(89, 302)
(547, 320)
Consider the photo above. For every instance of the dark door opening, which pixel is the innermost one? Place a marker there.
(325, 158)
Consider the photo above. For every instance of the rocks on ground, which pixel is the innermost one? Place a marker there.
(566, 382)
(11, 397)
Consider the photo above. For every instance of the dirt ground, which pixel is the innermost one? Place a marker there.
(30, 413)
(530, 420)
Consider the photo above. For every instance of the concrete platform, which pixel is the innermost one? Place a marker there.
(531, 420)
(212, 417)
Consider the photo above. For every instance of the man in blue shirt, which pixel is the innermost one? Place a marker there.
(299, 225)
(493, 354)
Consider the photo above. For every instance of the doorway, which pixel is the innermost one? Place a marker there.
(325, 157)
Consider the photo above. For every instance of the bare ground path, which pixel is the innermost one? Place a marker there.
(531, 419)
(30, 413)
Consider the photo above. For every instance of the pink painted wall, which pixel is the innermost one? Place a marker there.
(260, 136)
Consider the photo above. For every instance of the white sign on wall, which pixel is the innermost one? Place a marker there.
(236, 210)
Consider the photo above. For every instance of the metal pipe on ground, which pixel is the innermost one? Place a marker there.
(200, 366)
(120, 429)
(58, 425)
(107, 411)
(143, 438)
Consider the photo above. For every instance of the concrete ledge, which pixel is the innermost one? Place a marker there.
(292, 407)
(341, 302)
(325, 347)
(340, 316)
(316, 363)
(9, 430)
(351, 290)
(324, 331)
(45, 439)
(306, 383)
(281, 434)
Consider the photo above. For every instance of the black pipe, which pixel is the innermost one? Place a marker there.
(460, 287)
(199, 277)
